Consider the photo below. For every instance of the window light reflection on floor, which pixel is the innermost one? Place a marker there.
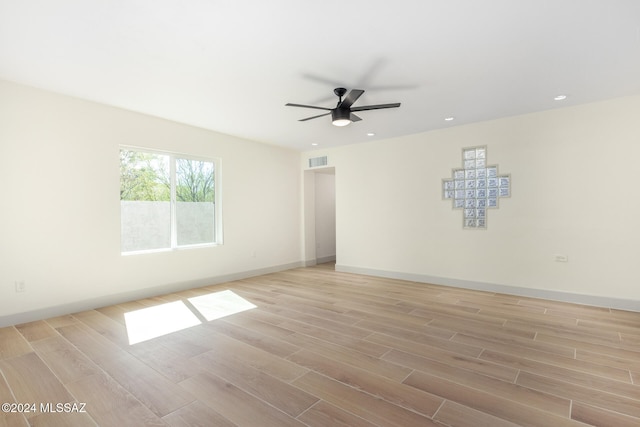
(220, 304)
(152, 322)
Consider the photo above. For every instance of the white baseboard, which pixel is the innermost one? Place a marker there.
(322, 260)
(592, 300)
(93, 303)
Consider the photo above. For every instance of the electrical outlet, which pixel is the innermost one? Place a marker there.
(20, 286)
(561, 258)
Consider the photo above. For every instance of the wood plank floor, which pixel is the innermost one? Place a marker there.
(323, 348)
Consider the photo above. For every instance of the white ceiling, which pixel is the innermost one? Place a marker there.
(231, 65)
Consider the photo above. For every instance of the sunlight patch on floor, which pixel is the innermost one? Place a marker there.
(220, 304)
(152, 322)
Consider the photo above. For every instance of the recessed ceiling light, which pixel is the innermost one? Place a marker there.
(448, 119)
(560, 97)
(371, 134)
(314, 143)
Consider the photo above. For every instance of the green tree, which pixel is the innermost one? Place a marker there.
(147, 177)
(194, 181)
(143, 176)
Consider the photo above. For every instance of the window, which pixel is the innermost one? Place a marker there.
(168, 201)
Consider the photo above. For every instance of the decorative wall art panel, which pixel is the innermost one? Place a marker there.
(476, 187)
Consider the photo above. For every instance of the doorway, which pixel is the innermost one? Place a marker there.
(320, 216)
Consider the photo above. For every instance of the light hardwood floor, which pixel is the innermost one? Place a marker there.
(324, 348)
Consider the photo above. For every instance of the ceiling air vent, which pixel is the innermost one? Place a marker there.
(314, 162)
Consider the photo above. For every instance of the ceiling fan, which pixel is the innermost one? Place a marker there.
(342, 114)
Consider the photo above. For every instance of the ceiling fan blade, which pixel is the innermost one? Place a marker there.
(375, 107)
(314, 117)
(307, 106)
(354, 118)
(351, 98)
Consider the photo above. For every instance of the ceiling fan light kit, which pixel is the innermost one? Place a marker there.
(340, 117)
(342, 114)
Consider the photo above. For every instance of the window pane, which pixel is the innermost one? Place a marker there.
(145, 202)
(194, 202)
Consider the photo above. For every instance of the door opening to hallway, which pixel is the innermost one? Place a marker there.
(320, 216)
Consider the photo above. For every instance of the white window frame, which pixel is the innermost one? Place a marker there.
(217, 184)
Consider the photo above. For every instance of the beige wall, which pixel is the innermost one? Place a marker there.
(60, 218)
(574, 192)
